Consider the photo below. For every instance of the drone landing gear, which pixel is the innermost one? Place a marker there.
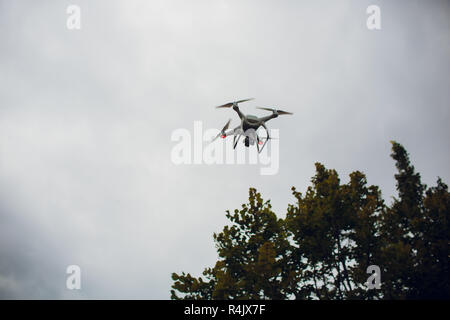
(235, 141)
(263, 145)
(259, 142)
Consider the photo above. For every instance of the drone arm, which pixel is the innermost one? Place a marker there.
(236, 108)
(270, 117)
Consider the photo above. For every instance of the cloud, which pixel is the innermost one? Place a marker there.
(86, 119)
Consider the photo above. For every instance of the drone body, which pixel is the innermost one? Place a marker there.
(248, 126)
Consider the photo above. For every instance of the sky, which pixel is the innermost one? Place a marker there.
(86, 119)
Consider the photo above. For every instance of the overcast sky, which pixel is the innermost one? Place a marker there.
(86, 118)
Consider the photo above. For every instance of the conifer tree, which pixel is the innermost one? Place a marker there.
(329, 238)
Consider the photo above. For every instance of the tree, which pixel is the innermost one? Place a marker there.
(415, 231)
(333, 232)
(252, 258)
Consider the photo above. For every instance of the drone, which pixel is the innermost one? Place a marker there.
(249, 125)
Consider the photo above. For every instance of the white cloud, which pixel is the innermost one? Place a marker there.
(86, 119)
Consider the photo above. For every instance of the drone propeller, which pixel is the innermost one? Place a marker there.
(274, 110)
(222, 133)
(230, 104)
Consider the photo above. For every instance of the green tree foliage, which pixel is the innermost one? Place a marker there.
(332, 233)
(415, 232)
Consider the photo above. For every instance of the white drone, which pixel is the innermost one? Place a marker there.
(249, 125)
